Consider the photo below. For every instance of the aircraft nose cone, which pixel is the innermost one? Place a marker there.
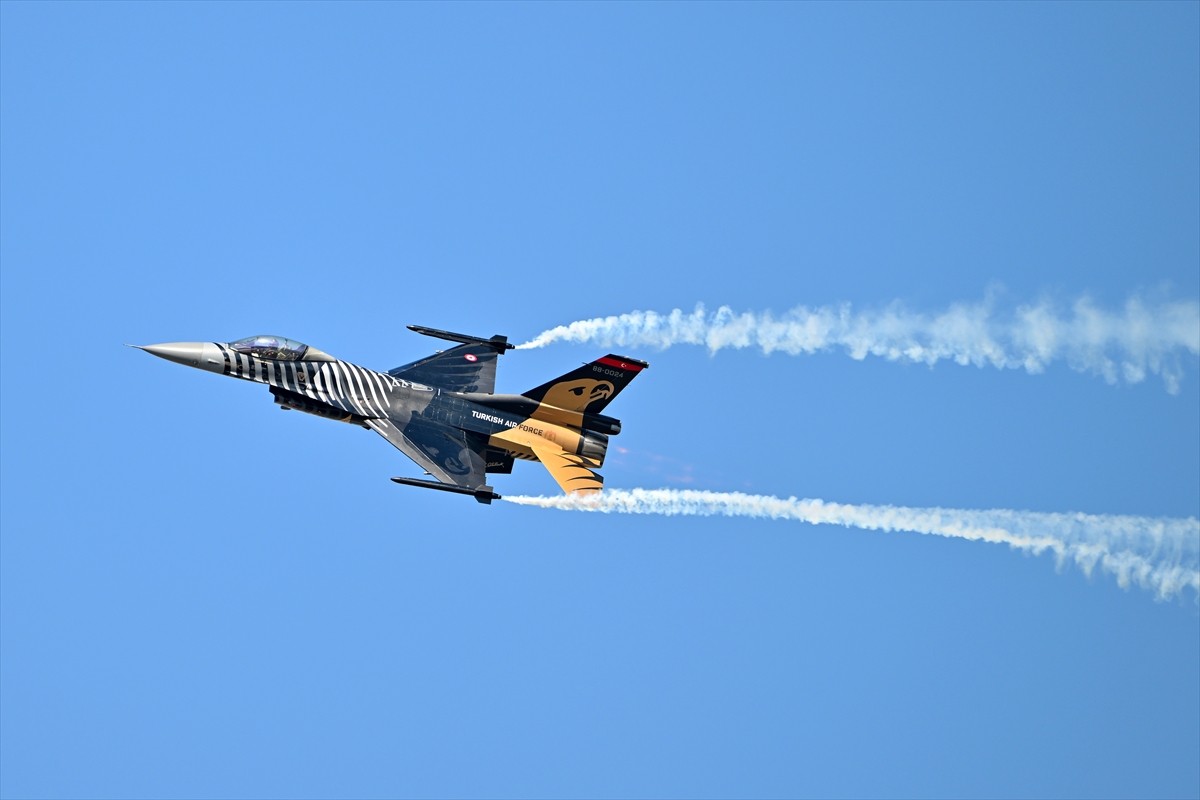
(191, 354)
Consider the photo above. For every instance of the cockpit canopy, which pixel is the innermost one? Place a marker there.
(275, 348)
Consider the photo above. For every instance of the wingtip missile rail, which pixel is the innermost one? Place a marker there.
(499, 343)
(483, 494)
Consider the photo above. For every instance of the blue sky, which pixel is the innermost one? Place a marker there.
(202, 597)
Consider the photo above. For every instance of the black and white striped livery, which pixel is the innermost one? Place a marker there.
(441, 410)
(344, 386)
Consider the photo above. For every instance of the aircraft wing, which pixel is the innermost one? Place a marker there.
(449, 454)
(572, 472)
(466, 368)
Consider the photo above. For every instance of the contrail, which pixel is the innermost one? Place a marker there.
(1127, 344)
(1158, 554)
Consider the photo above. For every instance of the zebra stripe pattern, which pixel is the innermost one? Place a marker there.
(340, 384)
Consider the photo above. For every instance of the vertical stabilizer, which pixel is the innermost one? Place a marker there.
(591, 387)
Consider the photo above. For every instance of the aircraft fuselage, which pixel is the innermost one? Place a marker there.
(440, 411)
(334, 389)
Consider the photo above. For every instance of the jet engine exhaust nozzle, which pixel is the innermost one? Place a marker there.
(593, 446)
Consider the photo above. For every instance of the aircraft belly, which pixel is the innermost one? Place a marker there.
(527, 438)
(508, 445)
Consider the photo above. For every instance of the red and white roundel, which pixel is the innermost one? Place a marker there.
(471, 357)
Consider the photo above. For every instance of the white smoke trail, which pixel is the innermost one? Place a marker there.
(1159, 554)
(1140, 339)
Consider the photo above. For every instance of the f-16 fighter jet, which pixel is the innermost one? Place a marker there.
(440, 411)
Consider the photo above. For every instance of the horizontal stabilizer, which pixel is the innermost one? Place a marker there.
(573, 473)
(498, 343)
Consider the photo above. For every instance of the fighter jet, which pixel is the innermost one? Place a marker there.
(440, 411)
